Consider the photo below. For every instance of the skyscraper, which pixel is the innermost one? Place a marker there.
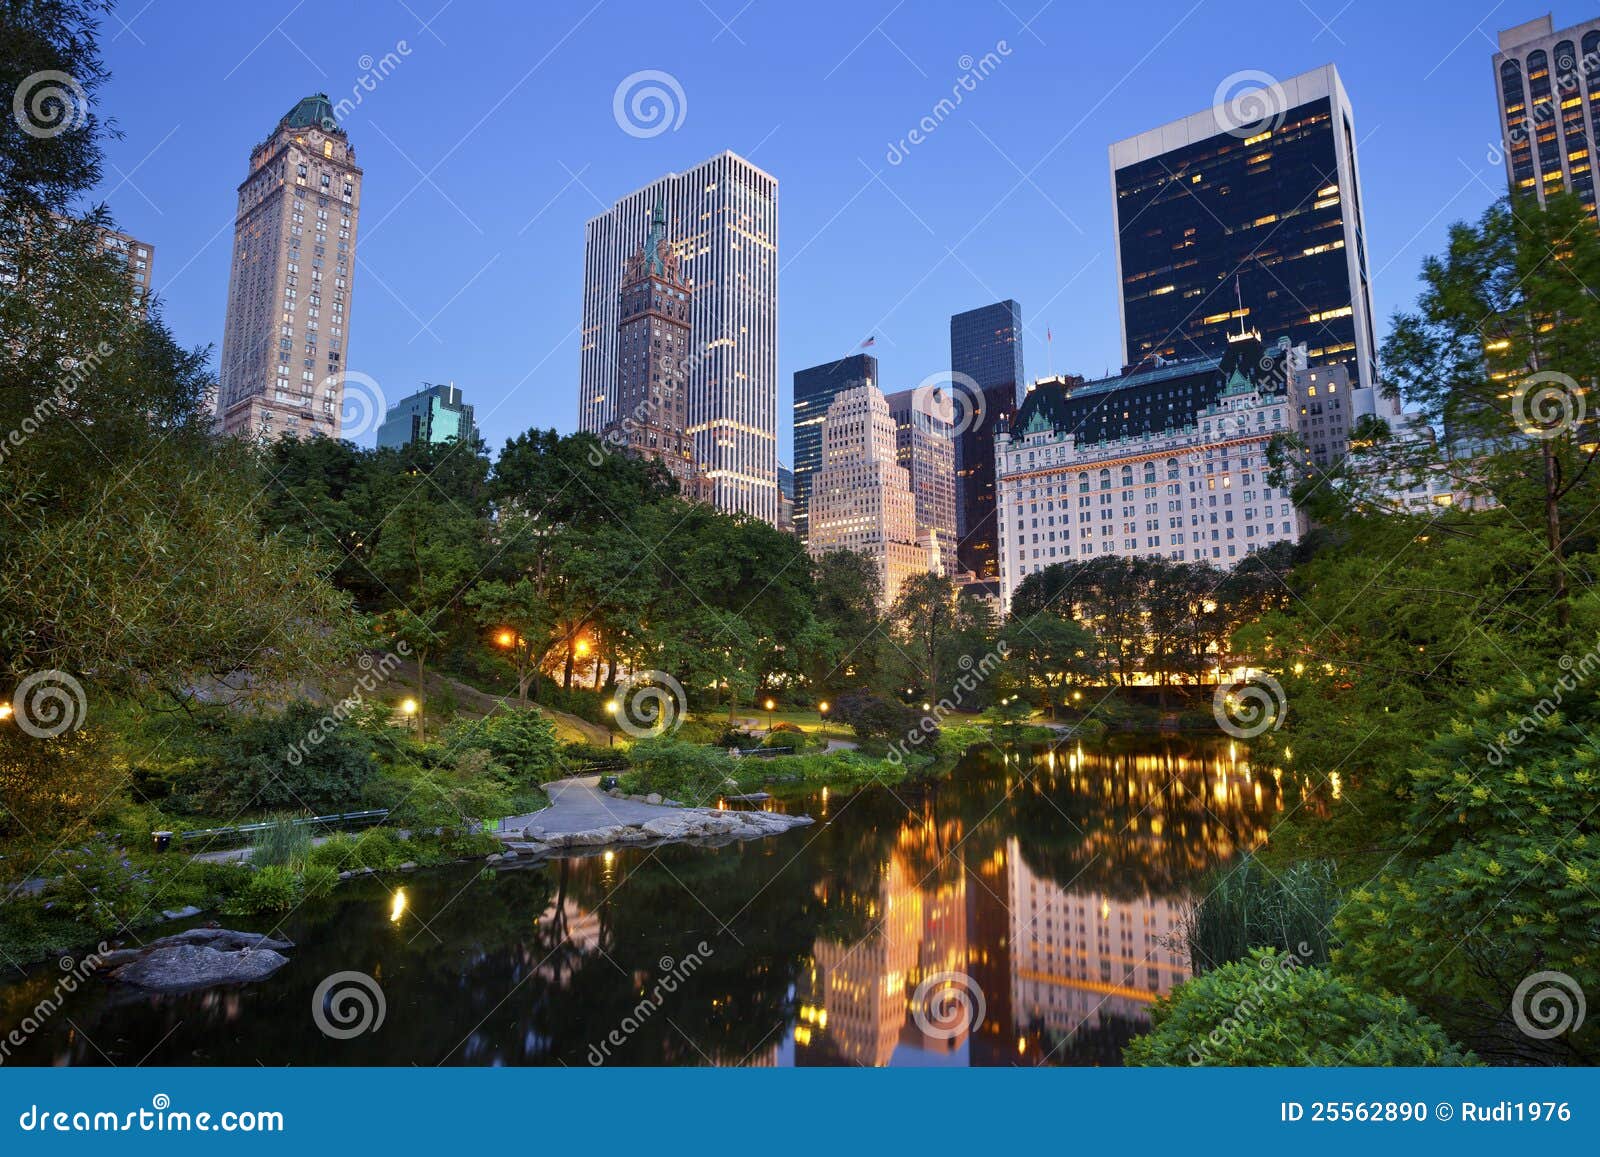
(653, 343)
(861, 499)
(1548, 85)
(294, 250)
(724, 214)
(986, 357)
(925, 446)
(433, 414)
(814, 391)
(1223, 223)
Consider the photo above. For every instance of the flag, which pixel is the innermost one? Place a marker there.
(1048, 336)
(870, 342)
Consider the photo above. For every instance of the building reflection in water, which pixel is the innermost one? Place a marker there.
(1063, 909)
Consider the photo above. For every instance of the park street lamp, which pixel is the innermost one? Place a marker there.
(611, 735)
(769, 705)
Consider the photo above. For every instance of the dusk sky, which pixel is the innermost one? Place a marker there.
(492, 140)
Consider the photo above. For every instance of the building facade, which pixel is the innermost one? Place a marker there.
(289, 290)
(139, 257)
(814, 391)
(861, 499)
(725, 215)
(1222, 224)
(985, 363)
(650, 419)
(785, 499)
(925, 446)
(1547, 86)
(1169, 461)
(434, 414)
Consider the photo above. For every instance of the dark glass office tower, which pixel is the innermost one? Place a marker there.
(1226, 226)
(985, 347)
(1548, 83)
(814, 390)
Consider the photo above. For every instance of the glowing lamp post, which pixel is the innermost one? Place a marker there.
(611, 736)
(769, 705)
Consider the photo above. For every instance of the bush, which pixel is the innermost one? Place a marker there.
(874, 717)
(273, 889)
(296, 760)
(319, 879)
(523, 741)
(681, 771)
(1249, 907)
(1269, 1010)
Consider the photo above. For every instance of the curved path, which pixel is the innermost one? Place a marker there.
(578, 805)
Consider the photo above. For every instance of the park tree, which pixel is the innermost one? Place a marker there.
(926, 619)
(1502, 354)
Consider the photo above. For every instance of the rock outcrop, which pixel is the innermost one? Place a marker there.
(198, 958)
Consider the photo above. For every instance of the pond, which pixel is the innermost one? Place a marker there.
(1025, 909)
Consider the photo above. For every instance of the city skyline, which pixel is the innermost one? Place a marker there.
(444, 311)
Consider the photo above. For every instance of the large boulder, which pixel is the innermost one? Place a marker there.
(186, 967)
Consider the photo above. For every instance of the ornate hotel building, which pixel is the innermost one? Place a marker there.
(861, 499)
(724, 216)
(1167, 460)
(294, 251)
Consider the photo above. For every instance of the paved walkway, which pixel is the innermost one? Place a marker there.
(578, 805)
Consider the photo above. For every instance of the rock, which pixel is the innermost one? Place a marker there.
(183, 913)
(409, 866)
(533, 832)
(506, 855)
(185, 967)
(534, 848)
(221, 939)
(494, 858)
(653, 797)
(345, 875)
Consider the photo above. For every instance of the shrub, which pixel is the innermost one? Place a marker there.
(378, 849)
(319, 879)
(681, 771)
(1248, 907)
(522, 740)
(336, 852)
(874, 717)
(274, 762)
(1267, 1010)
(273, 889)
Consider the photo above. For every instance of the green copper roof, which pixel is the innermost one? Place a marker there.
(314, 111)
(655, 246)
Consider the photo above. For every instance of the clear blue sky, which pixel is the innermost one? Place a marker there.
(494, 140)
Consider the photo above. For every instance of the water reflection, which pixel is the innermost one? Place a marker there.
(1051, 882)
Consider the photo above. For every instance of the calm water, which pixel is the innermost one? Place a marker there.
(1049, 883)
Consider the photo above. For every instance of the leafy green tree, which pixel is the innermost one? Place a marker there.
(292, 761)
(926, 618)
(1500, 353)
(1269, 1010)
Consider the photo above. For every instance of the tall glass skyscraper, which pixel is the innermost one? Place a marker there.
(724, 215)
(1247, 216)
(814, 391)
(986, 355)
(1548, 84)
(433, 414)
